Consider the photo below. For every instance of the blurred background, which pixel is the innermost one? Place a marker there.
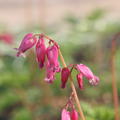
(84, 30)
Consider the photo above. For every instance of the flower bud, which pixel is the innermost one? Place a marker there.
(80, 80)
(65, 115)
(64, 76)
(27, 43)
(74, 115)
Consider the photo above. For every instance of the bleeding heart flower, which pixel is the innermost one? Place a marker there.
(64, 76)
(52, 64)
(50, 73)
(80, 80)
(86, 72)
(28, 42)
(74, 115)
(52, 55)
(40, 52)
(65, 115)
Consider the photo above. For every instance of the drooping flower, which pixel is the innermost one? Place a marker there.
(65, 115)
(74, 115)
(86, 72)
(52, 55)
(80, 80)
(50, 73)
(64, 76)
(28, 42)
(52, 64)
(40, 52)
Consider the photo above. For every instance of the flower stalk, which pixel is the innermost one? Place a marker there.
(48, 58)
(113, 71)
(73, 88)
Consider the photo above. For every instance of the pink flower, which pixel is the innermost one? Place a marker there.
(94, 81)
(50, 74)
(64, 76)
(65, 115)
(80, 80)
(52, 55)
(27, 43)
(52, 64)
(86, 72)
(74, 115)
(8, 38)
(40, 52)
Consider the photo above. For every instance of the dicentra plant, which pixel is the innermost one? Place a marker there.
(47, 57)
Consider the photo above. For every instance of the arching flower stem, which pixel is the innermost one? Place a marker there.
(71, 79)
(73, 88)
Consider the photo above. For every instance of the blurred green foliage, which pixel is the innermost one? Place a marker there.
(25, 96)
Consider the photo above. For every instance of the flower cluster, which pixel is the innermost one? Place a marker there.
(66, 115)
(46, 56)
(69, 112)
(83, 71)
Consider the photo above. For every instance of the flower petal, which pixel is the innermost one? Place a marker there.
(65, 115)
(50, 74)
(52, 55)
(85, 71)
(94, 81)
(40, 52)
